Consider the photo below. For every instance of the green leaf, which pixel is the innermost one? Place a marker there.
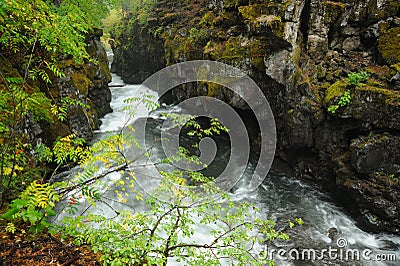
(19, 203)
(33, 216)
(49, 211)
(9, 215)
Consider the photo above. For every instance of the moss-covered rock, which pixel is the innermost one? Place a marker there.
(251, 12)
(7, 70)
(81, 82)
(335, 91)
(389, 46)
(169, 18)
(374, 10)
(333, 10)
(377, 106)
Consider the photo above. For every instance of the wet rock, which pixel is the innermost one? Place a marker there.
(379, 203)
(279, 66)
(332, 233)
(396, 80)
(141, 58)
(351, 44)
(378, 152)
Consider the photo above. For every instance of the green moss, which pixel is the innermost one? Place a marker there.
(231, 3)
(70, 62)
(373, 12)
(81, 82)
(260, 15)
(335, 90)
(238, 48)
(396, 67)
(169, 18)
(381, 72)
(333, 11)
(390, 97)
(257, 52)
(325, 86)
(234, 48)
(389, 46)
(383, 26)
(7, 70)
(375, 83)
(214, 49)
(175, 45)
(213, 89)
(207, 19)
(321, 72)
(103, 64)
(258, 62)
(251, 12)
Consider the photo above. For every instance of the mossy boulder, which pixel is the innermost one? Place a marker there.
(377, 106)
(81, 82)
(103, 67)
(378, 202)
(263, 17)
(389, 46)
(370, 102)
(69, 63)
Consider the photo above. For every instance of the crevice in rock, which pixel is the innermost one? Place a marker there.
(304, 20)
(354, 133)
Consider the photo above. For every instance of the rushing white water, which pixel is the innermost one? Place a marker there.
(116, 120)
(280, 198)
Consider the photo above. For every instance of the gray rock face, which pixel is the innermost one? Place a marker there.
(300, 54)
(143, 56)
(377, 153)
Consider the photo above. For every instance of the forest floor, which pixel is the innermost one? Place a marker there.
(43, 249)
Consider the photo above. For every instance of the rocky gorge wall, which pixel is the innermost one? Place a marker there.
(85, 82)
(300, 53)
